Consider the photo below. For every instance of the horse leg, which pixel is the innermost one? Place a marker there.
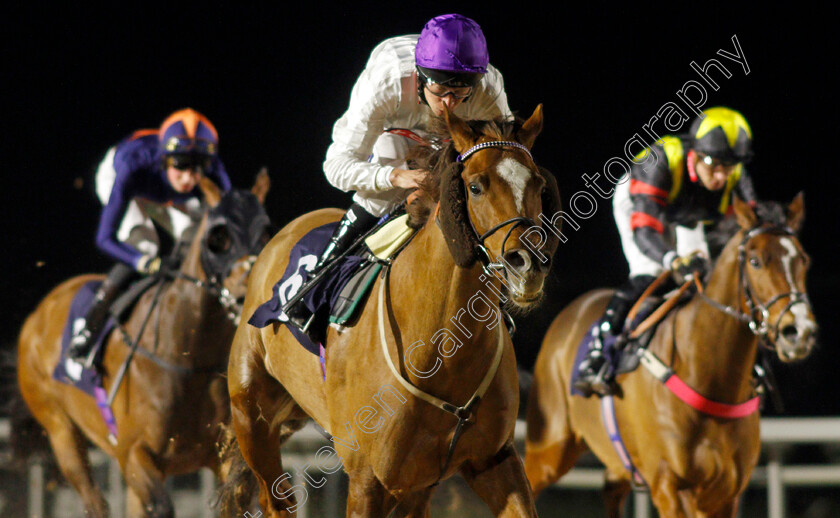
(616, 489)
(263, 416)
(551, 446)
(70, 451)
(147, 496)
(727, 510)
(367, 497)
(415, 505)
(666, 497)
(500, 481)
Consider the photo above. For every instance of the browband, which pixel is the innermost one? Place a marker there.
(497, 143)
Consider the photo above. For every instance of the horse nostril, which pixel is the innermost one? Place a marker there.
(519, 260)
(789, 332)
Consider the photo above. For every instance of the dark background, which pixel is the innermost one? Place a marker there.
(274, 81)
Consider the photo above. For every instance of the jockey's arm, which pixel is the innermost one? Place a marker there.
(109, 224)
(373, 97)
(745, 189)
(649, 187)
(219, 175)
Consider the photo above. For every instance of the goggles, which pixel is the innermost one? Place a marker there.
(715, 162)
(440, 84)
(460, 92)
(185, 161)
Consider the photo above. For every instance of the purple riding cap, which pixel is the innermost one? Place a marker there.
(453, 43)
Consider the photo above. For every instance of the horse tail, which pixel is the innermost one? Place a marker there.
(26, 435)
(239, 485)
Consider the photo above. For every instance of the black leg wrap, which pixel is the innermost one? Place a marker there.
(118, 277)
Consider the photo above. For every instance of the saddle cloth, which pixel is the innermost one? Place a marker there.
(340, 295)
(622, 361)
(72, 373)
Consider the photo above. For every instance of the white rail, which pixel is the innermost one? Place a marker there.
(778, 435)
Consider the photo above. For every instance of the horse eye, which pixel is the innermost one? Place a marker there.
(754, 262)
(218, 239)
(475, 189)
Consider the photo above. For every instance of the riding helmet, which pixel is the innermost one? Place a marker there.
(722, 133)
(188, 132)
(451, 51)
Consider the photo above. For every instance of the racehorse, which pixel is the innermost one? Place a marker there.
(397, 431)
(695, 463)
(173, 399)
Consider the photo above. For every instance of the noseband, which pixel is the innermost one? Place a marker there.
(758, 315)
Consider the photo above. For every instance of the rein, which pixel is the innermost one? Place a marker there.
(464, 413)
(760, 328)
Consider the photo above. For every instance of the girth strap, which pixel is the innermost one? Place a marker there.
(463, 413)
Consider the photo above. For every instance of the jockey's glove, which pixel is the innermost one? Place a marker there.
(689, 266)
(153, 265)
(148, 265)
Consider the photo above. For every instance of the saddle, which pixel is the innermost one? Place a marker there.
(338, 298)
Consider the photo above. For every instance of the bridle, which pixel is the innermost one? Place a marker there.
(757, 316)
(216, 288)
(484, 257)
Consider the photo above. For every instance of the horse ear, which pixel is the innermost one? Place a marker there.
(212, 193)
(462, 135)
(527, 134)
(261, 185)
(744, 213)
(796, 212)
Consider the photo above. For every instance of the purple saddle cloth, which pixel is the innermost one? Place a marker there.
(68, 371)
(302, 259)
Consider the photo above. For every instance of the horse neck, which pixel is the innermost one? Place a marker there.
(715, 352)
(427, 291)
(193, 313)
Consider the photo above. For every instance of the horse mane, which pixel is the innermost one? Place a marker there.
(767, 212)
(439, 159)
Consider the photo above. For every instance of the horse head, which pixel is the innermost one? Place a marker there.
(772, 266)
(490, 198)
(235, 229)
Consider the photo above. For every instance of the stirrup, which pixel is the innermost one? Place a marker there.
(600, 384)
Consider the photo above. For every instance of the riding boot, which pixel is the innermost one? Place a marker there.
(355, 222)
(595, 374)
(89, 328)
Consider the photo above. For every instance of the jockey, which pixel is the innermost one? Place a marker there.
(150, 176)
(407, 82)
(686, 184)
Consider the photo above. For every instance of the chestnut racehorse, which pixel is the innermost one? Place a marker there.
(173, 398)
(694, 464)
(393, 427)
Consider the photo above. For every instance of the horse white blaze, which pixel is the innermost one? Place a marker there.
(517, 176)
(800, 313)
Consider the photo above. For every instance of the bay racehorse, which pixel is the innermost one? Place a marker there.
(696, 460)
(436, 315)
(173, 399)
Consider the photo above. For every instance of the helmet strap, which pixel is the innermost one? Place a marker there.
(691, 160)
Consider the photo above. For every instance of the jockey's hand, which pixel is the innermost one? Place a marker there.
(690, 266)
(408, 178)
(153, 265)
(149, 265)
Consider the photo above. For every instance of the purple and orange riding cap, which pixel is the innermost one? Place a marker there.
(452, 51)
(188, 132)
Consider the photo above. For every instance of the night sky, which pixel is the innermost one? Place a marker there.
(273, 82)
